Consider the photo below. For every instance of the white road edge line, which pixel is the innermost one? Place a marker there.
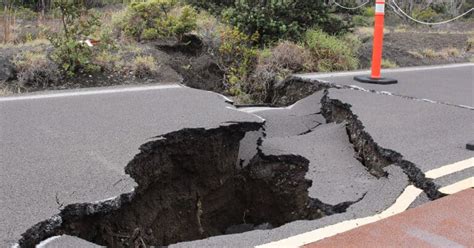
(90, 92)
(407, 69)
(459, 186)
(450, 169)
(401, 204)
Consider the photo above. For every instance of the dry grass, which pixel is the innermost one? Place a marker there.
(388, 64)
(144, 66)
(449, 52)
(416, 54)
(429, 53)
(470, 43)
(8, 90)
(32, 43)
(35, 70)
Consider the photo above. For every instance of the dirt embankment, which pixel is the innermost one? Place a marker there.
(415, 48)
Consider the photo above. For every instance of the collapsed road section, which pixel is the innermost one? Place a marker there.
(189, 187)
(313, 160)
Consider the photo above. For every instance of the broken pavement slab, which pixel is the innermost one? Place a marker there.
(426, 134)
(337, 176)
(61, 150)
(297, 119)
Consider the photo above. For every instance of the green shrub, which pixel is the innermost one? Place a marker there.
(362, 21)
(237, 57)
(329, 53)
(213, 6)
(35, 70)
(427, 15)
(152, 19)
(275, 20)
(150, 34)
(368, 12)
(69, 53)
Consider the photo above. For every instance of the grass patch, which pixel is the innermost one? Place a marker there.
(388, 64)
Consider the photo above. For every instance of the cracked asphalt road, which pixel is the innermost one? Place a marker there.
(451, 84)
(74, 148)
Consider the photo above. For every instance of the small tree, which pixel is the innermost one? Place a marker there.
(70, 53)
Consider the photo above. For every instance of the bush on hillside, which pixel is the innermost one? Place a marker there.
(329, 53)
(69, 53)
(156, 18)
(237, 57)
(213, 6)
(277, 20)
(209, 30)
(426, 15)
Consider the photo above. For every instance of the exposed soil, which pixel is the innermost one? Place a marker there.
(187, 191)
(178, 61)
(198, 68)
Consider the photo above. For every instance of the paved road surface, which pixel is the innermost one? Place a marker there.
(452, 84)
(73, 146)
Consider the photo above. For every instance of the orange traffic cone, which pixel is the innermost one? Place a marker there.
(375, 77)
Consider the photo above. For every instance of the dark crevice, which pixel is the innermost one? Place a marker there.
(369, 153)
(335, 209)
(294, 88)
(310, 129)
(190, 187)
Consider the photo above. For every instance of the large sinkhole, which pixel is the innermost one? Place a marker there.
(190, 187)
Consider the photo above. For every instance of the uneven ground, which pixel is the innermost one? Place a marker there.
(189, 63)
(256, 174)
(421, 45)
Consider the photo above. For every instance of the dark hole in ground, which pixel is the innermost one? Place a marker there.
(189, 188)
